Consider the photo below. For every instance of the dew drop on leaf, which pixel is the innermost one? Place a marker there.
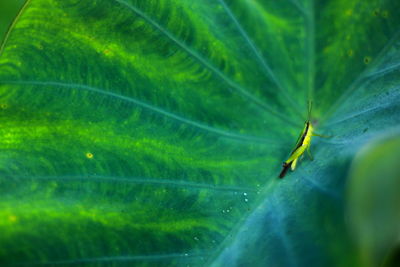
(367, 60)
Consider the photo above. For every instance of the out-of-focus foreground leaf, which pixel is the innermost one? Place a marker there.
(8, 11)
(152, 132)
(374, 197)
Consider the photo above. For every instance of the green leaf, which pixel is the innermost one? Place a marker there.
(373, 197)
(153, 132)
(8, 11)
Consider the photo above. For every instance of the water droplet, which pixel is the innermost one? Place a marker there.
(196, 238)
(246, 200)
(244, 194)
(367, 60)
(227, 210)
(186, 254)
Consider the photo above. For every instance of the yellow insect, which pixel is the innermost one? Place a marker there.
(303, 143)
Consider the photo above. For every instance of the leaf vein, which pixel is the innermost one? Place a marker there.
(138, 180)
(148, 107)
(128, 258)
(359, 80)
(244, 92)
(267, 69)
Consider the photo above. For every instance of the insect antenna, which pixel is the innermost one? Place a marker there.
(309, 110)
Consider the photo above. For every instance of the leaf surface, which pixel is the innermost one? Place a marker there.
(152, 132)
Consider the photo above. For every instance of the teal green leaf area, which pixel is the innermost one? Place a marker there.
(152, 133)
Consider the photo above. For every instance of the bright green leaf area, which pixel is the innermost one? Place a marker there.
(151, 133)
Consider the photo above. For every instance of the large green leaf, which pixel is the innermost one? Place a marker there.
(152, 132)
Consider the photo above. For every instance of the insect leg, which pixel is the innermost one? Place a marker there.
(297, 153)
(321, 135)
(294, 163)
(309, 153)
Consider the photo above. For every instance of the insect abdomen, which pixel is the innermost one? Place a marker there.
(286, 167)
(307, 138)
